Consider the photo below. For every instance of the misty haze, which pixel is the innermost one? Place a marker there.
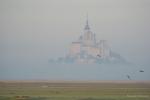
(74, 50)
(35, 35)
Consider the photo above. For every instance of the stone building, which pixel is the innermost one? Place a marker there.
(87, 49)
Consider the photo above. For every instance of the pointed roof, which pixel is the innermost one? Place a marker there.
(87, 24)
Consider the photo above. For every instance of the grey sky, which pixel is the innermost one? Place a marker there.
(32, 31)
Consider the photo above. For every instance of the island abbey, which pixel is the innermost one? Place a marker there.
(87, 49)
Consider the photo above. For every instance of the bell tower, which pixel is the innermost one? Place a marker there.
(88, 36)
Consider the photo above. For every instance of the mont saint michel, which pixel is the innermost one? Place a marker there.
(87, 49)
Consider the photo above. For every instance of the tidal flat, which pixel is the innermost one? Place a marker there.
(74, 90)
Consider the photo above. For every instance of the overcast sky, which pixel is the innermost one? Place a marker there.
(32, 31)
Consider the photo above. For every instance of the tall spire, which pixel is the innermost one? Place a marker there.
(87, 20)
(87, 23)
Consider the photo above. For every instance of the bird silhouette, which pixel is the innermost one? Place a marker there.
(141, 71)
(128, 77)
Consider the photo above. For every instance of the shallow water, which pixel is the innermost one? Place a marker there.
(57, 71)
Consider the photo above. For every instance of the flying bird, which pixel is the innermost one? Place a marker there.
(141, 71)
(98, 55)
(128, 77)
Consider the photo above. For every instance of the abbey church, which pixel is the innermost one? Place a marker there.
(87, 49)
